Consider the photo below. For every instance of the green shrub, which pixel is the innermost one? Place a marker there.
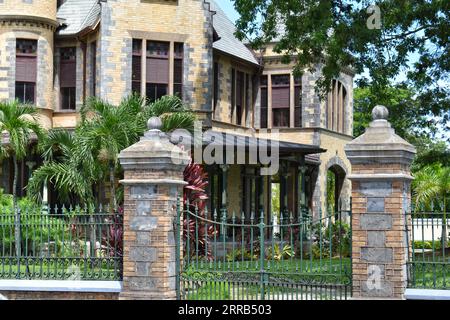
(39, 232)
(278, 253)
(428, 244)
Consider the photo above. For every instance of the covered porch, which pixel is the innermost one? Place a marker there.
(239, 188)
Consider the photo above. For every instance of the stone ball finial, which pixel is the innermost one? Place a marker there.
(380, 113)
(154, 123)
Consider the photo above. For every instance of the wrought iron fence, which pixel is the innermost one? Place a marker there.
(222, 256)
(61, 244)
(429, 250)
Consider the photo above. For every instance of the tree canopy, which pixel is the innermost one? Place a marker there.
(380, 43)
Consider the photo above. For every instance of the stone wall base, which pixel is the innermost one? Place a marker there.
(49, 295)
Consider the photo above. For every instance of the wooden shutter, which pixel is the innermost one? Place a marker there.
(264, 101)
(26, 68)
(68, 67)
(280, 97)
(137, 71)
(157, 70)
(68, 74)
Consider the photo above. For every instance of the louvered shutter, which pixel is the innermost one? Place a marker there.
(157, 70)
(280, 97)
(26, 69)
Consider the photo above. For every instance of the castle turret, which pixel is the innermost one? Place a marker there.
(27, 30)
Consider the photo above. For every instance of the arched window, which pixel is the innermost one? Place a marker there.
(335, 107)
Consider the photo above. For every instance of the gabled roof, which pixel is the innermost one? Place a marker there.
(228, 43)
(78, 15)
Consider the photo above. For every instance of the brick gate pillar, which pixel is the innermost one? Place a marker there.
(153, 181)
(381, 182)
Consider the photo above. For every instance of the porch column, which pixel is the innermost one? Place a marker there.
(302, 175)
(153, 180)
(381, 181)
(225, 169)
(283, 189)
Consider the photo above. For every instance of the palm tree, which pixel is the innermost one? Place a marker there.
(105, 131)
(173, 113)
(74, 162)
(431, 183)
(68, 172)
(19, 123)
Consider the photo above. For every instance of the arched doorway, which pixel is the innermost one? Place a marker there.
(335, 182)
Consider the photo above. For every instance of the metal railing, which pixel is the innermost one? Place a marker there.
(429, 250)
(225, 256)
(61, 244)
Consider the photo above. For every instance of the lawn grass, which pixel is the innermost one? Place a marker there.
(290, 279)
(297, 266)
(429, 275)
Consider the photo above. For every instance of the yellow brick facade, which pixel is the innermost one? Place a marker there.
(31, 8)
(184, 21)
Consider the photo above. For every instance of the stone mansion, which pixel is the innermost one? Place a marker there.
(55, 54)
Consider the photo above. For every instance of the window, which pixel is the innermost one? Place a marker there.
(68, 78)
(26, 70)
(216, 85)
(247, 96)
(298, 102)
(152, 69)
(239, 96)
(264, 101)
(94, 67)
(178, 70)
(336, 107)
(281, 100)
(233, 92)
(157, 70)
(136, 77)
(240, 87)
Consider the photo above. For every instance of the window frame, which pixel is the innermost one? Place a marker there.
(33, 57)
(72, 89)
(170, 55)
(282, 108)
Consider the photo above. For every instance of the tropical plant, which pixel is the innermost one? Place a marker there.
(105, 131)
(195, 228)
(279, 253)
(172, 111)
(431, 187)
(195, 195)
(19, 122)
(76, 164)
(112, 238)
(72, 175)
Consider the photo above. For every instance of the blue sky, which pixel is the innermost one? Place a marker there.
(228, 7)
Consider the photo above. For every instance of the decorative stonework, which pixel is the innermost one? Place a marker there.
(153, 184)
(381, 184)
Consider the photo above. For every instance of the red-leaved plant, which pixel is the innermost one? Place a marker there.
(194, 200)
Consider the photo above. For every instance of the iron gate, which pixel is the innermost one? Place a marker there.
(226, 257)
